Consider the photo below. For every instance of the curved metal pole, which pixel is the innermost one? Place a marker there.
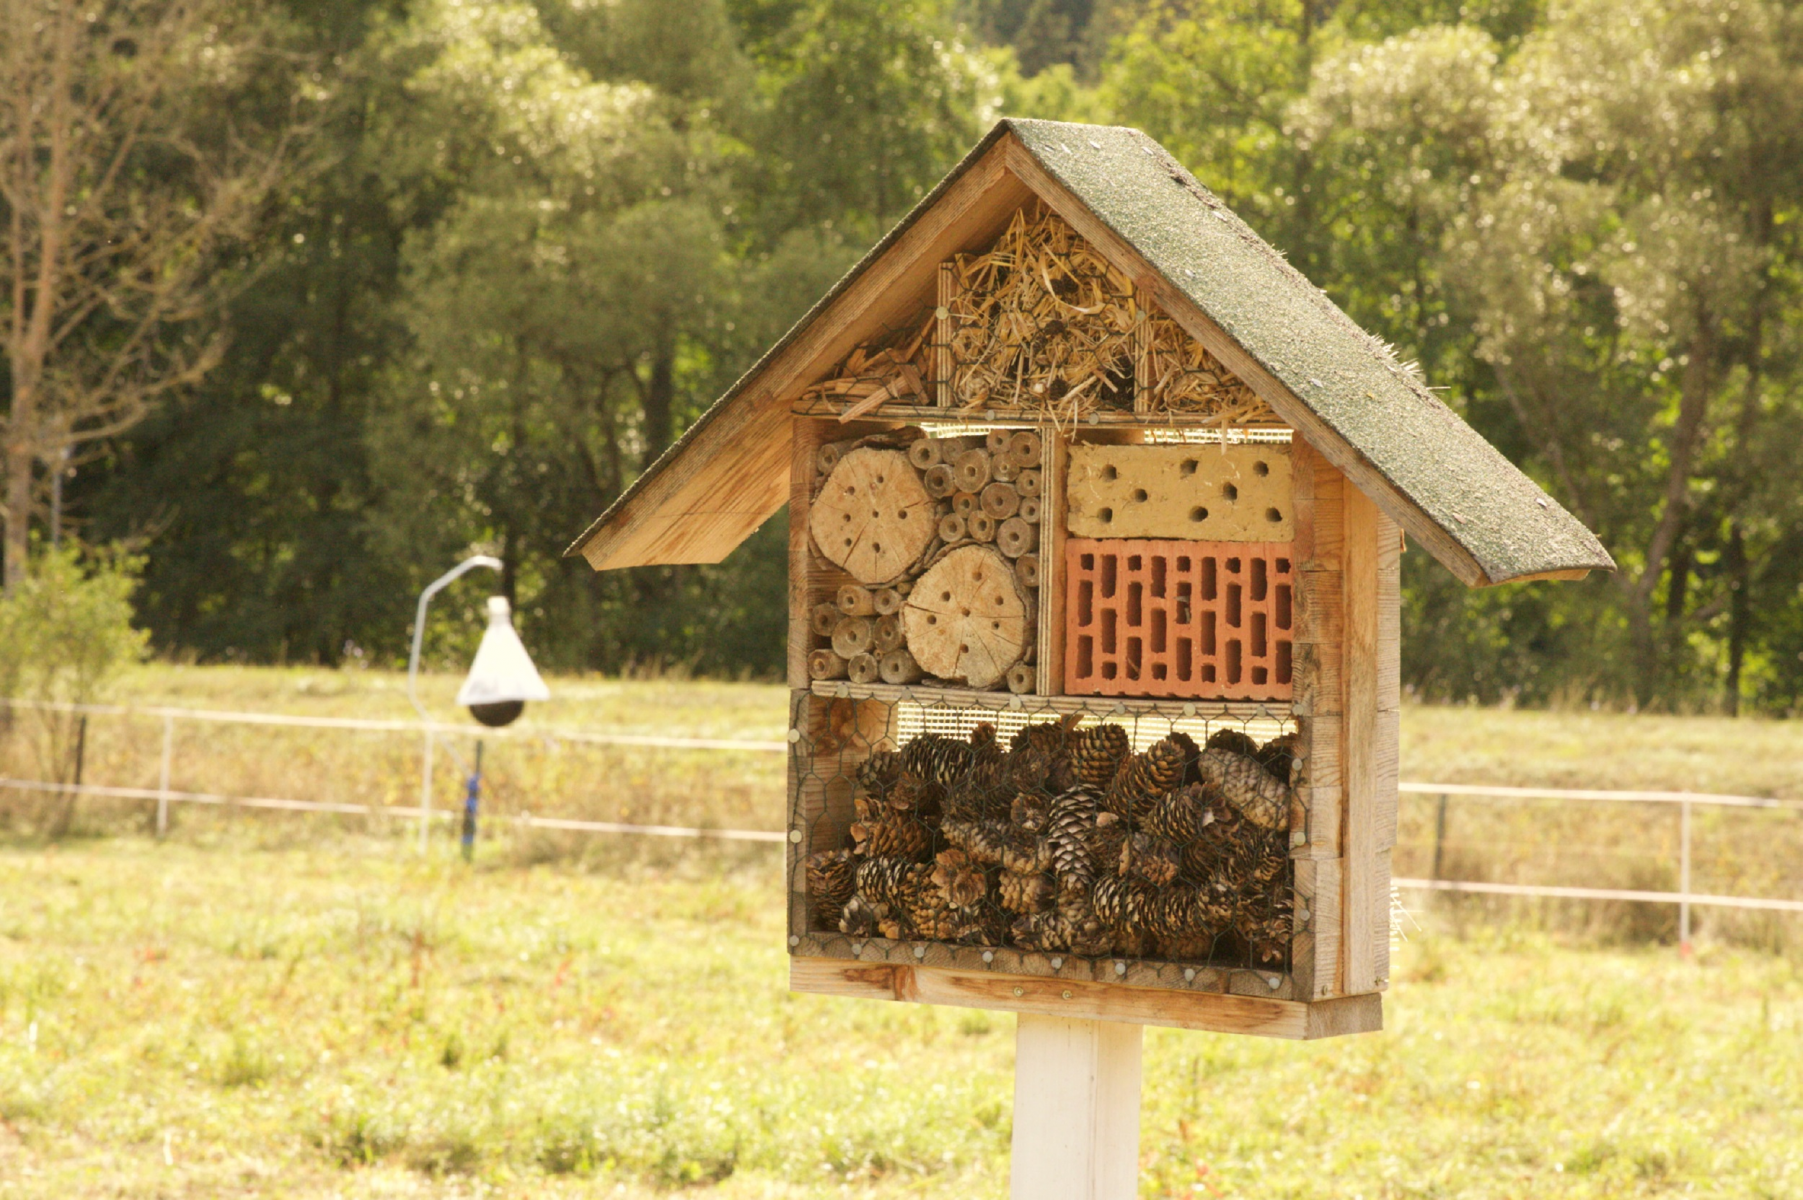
(419, 633)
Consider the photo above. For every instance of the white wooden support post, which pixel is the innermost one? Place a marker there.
(163, 775)
(1076, 1109)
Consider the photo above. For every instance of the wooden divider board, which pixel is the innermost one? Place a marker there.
(1096, 1001)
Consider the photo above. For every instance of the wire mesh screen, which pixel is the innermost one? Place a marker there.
(1143, 844)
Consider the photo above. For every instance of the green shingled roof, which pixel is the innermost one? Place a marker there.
(1345, 376)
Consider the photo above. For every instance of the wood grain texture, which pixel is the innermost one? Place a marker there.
(806, 437)
(727, 476)
(1315, 954)
(1199, 325)
(1094, 1001)
(1054, 465)
(1361, 750)
(1076, 1109)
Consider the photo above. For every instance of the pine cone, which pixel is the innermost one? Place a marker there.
(832, 876)
(1187, 744)
(1180, 817)
(1193, 948)
(1045, 931)
(1145, 776)
(1175, 913)
(1279, 757)
(981, 926)
(861, 917)
(1110, 899)
(921, 797)
(1248, 787)
(1072, 822)
(935, 758)
(1152, 859)
(1105, 842)
(897, 837)
(1097, 752)
(1024, 893)
(878, 772)
(1075, 897)
(984, 841)
(892, 881)
(930, 916)
(1024, 853)
(959, 880)
(1231, 740)
(1030, 812)
(896, 926)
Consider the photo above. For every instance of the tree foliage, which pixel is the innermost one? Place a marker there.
(538, 236)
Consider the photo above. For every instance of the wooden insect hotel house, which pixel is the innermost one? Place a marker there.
(1096, 512)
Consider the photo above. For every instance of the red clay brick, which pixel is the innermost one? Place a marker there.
(1197, 620)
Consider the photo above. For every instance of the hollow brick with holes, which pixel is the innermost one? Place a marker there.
(1195, 620)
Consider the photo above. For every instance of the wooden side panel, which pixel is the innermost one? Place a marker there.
(831, 737)
(1055, 463)
(1093, 1001)
(807, 437)
(1365, 530)
(1319, 692)
(1315, 953)
(941, 359)
(727, 478)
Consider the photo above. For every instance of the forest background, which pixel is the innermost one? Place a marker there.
(515, 247)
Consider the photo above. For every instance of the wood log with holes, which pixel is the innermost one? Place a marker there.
(1026, 570)
(1000, 501)
(981, 526)
(827, 456)
(1025, 449)
(887, 635)
(996, 442)
(939, 480)
(1029, 510)
(853, 636)
(1021, 679)
(1014, 537)
(898, 666)
(972, 470)
(863, 669)
(856, 601)
(824, 664)
(1000, 467)
(965, 503)
(823, 619)
(924, 453)
(967, 618)
(872, 515)
(951, 529)
(886, 601)
(1027, 483)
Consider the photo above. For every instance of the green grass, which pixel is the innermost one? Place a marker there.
(345, 1020)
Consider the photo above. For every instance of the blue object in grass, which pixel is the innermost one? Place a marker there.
(471, 798)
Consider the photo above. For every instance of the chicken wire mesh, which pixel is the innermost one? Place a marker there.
(1144, 843)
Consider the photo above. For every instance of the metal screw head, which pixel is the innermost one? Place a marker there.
(794, 939)
(1303, 915)
(1189, 974)
(857, 947)
(1120, 968)
(1067, 993)
(1057, 964)
(794, 735)
(1275, 981)
(988, 956)
(1020, 991)
(920, 952)
(795, 836)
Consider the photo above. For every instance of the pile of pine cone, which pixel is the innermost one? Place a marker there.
(1066, 841)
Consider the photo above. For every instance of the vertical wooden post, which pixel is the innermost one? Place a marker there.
(163, 775)
(1142, 349)
(1076, 1109)
(1053, 461)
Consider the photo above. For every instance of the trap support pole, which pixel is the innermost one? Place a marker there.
(1076, 1109)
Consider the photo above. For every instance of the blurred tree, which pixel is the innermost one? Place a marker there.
(126, 172)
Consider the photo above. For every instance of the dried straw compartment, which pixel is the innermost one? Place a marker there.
(1137, 843)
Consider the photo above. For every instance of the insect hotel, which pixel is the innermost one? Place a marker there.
(1096, 510)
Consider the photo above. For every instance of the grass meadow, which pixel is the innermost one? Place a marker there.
(302, 1006)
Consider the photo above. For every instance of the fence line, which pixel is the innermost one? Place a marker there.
(380, 810)
(164, 796)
